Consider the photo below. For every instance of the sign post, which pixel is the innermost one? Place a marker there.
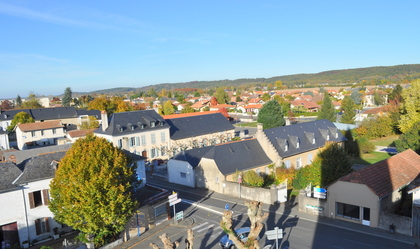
(173, 199)
(276, 234)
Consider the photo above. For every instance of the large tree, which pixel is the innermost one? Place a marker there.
(271, 115)
(18, 101)
(67, 97)
(222, 96)
(327, 109)
(168, 108)
(31, 102)
(349, 108)
(409, 140)
(20, 118)
(410, 107)
(92, 189)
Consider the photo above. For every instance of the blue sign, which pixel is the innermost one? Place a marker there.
(227, 207)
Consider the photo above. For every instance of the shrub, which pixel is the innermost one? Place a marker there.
(365, 145)
(252, 178)
(284, 173)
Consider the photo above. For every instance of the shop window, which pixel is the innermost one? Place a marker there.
(348, 211)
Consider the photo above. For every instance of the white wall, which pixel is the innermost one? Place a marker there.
(4, 142)
(175, 167)
(12, 210)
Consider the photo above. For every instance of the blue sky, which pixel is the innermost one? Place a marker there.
(46, 46)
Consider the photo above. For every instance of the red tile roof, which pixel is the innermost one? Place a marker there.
(80, 133)
(183, 115)
(40, 125)
(386, 176)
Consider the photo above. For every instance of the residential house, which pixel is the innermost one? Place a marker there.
(296, 145)
(369, 98)
(220, 106)
(39, 134)
(255, 108)
(363, 195)
(256, 101)
(305, 105)
(72, 136)
(4, 140)
(200, 105)
(193, 130)
(223, 161)
(24, 197)
(144, 133)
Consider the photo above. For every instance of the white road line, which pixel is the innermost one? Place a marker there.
(296, 227)
(206, 228)
(205, 223)
(201, 206)
(358, 242)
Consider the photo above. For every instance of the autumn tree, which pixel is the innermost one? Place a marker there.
(327, 109)
(187, 109)
(271, 115)
(410, 107)
(20, 118)
(395, 94)
(168, 108)
(266, 97)
(256, 217)
(213, 101)
(67, 97)
(92, 190)
(349, 108)
(90, 123)
(6, 105)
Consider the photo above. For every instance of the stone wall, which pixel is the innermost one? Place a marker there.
(248, 193)
(402, 224)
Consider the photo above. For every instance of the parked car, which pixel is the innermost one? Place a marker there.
(242, 233)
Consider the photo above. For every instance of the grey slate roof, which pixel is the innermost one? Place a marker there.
(93, 113)
(22, 155)
(298, 138)
(10, 114)
(8, 173)
(241, 155)
(40, 167)
(193, 156)
(54, 113)
(122, 123)
(198, 125)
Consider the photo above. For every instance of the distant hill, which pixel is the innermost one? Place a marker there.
(369, 75)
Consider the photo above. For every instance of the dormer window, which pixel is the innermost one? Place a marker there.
(313, 141)
(286, 146)
(336, 135)
(297, 143)
(328, 137)
(152, 124)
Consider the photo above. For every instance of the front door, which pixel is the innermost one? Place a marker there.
(366, 216)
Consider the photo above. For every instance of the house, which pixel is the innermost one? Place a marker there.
(222, 162)
(193, 130)
(304, 104)
(24, 197)
(369, 98)
(181, 168)
(296, 145)
(255, 108)
(72, 136)
(363, 195)
(144, 133)
(39, 134)
(200, 105)
(220, 106)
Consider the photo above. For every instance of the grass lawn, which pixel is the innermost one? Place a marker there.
(385, 141)
(251, 124)
(371, 158)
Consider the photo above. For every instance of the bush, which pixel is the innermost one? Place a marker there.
(284, 173)
(365, 145)
(252, 178)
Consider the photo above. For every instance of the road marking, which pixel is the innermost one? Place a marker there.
(296, 227)
(206, 228)
(205, 223)
(358, 242)
(201, 206)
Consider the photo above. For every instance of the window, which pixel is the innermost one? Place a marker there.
(119, 143)
(297, 143)
(298, 163)
(310, 158)
(313, 141)
(163, 150)
(33, 133)
(328, 137)
(42, 225)
(153, 153)
(38, 198)
(137, 141)
(42, 133)
(183, 174)
(152, 124)
(54, 131)
(143, 140)
(348, 211)
(287, 164)
(162, 137)
(286, 146)
(216, 179)
(153, 136)
(132, 141)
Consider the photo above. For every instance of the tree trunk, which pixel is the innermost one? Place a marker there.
(190, 239)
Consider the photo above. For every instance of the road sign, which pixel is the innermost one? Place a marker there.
(179, 215)
(320, 193)
(227, 206)
(274, 234)
(239, 179)
(171, 203)
(173, 197)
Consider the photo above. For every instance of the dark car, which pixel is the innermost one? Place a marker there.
(242, 233)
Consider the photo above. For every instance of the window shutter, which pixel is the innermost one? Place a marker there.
(38, 226)
(47, 224)
(46, 196)
(31, 200)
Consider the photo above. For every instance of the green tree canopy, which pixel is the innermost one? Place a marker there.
(349, 107)
(168, 108)
(18, 101)
(266, 97)
(410, 107)
(90, 123)
(20, 118)
(409, 140)
(271, 115)
(67, 97)
(92, 189)
(222, 96)
(31, 102)
(327, 109)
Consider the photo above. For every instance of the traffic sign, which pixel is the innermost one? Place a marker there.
(239, 179)
(227, 206)
(173, 197)
(171, 203)
(179, 215)
(277, 233)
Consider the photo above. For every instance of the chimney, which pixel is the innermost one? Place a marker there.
(259, 127)
(104, 119)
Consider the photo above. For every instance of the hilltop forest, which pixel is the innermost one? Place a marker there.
(364, 76)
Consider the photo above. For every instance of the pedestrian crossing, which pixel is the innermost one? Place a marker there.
(207, 227)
